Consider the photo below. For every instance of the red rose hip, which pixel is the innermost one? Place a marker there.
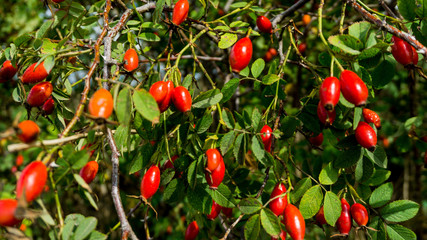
(344, 221)
(39, 94)
(366, 136)
(216, 209)
(101, 104)
(48, 106)
(7, 71)
(150, 182)
(317, 140)
(359, 214)
(89, 171)
(192, 231)
(31, 181)
(215, 178)
(264, 24)
(180, 12)
(131, 60)
(181, 98)
(28, 131)
(241, 54)
(353, 88)
(7, 213)
(320, 217)
(278, 205)
(36, 75)
(294, 222)
(372, 117)
(267, 137)
(329, 93)
(403, 52)
(325, 117)
(213, 159)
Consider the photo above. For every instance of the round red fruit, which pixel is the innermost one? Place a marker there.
(150, 182)
(302, 47)
(7, 71)
(180, 12)
(181, 98)
(39, 94)
(159, 91)
(366, 136)
(264, 24)
(213, 159)
(216, 209)
(48, 106)
(241, 54)
(270, 54)
(19, 160)
(267, 137)
(320, 217)
(317, 140)
(403, 52)
(28, 131)
(89, 171)
(325, 117)
(294, 222)
(306, 19)
(36, 75)
(31, 181)
(279, 204)
(359, 214)
(101, 104)
(131, 60)
(372, 117)
(353, 88)
(192, 231)
(7, 213)
(344, 221)
(215, 178)
(329, 93)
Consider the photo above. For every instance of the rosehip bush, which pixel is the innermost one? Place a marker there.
(213, 119)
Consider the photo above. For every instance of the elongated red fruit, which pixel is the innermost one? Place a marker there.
(166, 101)
(89, 171)
(7, 71)
(48, 106)
(36, 75)
(31, 181)
(366, 136)
(264, 24)
(180, 12)
(359, 214)
(353, 88)
(282, 236)
(150, 182)
(131, 60)
(325, 117)
(181, 98)
(344, 221)
(320, 217)
(294, 222)
(241, 54)
(39, 94)
(159, 91)
(7, 213)
(28, 131)
(215, 178)
(372, 117)
(317, 140)
(278, 205)
(329, 93)
(192, 231)
(213, 159)
(216, 209)
(101, 104)
(267, 137)
(403, 52)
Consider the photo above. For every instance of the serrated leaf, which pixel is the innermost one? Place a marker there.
(364, 169)
(400, 211)
(398, 232)
(257, 67)
(204, 123)
(300, 188)
(270, 222)
(226, 142)
(249, 206)
(270, 79)
(85, 228)
(82, 182)
(223, 196)
(146, 105)
(359, 30)
(379, 176)
(124, 106)
(328, 175)
(200, 200)
(349, 157)
(381, 195)
(383, 74)
(332, 208)
(227, 40)
(91, 200)
(256, 119)
(207, 99)
(229, 89)
(346, 43)
(407, 9)
(379, 156)
(228, 118)
(252, 227)
(311, 202)
(149, 37)
(257, 148)
(357, 117)
(238, 146)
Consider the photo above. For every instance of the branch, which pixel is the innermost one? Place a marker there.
(278, 18)
(382, 24)
(172, 58)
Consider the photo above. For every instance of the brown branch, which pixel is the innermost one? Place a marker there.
(205, 58)
(278, 18)
(382, 24)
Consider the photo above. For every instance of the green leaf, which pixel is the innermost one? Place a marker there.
(229, 89)
(359, 30)
(270, 79)
(81, 182)
(238, 145)
(172, 190)
(192, 174)
(226, 142)
(257, 148)
(370, 57)
(346, 103)
(208, 98)
(398, 232)
(407, 9)
(223, 196)
(270, 222)
(311, 202)
(146, 105)
(421, 10)
(257, 67)
(379, 176)
(49, 63)
(346, 43)
(256, 119)
(22, 39)
(332, 208)
(364, 169)
(124, 106)
(44, 28)
(227, 40)
(159, 10)
(357, 117)
(383, 74)
(252, 227)
(381, 195)
(204, 123)
(121, 136)
(91, 200)
(349, 157)
(200, 200)
(328, 175)
(302, 186)
(95, 235)
(378, 157)
(249, 206)
(400, 210)
(228, 118)
(85, 228)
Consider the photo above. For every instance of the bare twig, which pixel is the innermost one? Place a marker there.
(278, 18)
